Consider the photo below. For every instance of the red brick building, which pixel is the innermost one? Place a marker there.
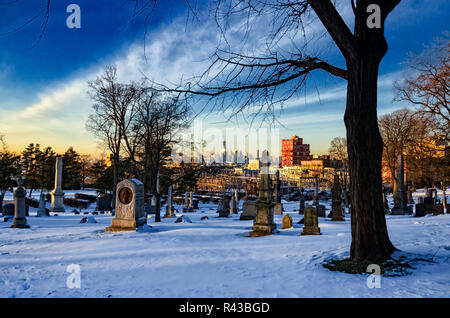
(293, 151)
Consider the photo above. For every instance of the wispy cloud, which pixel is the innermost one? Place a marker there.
(57, 115)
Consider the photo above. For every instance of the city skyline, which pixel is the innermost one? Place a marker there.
(43, 88)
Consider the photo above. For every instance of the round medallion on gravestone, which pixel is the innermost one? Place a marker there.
(125, 195)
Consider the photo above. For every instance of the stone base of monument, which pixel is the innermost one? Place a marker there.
(264, 220)
(125, 225)
(311, 223)
(401, 211)
(57, 201)
(224, 213)
(311, 230)
(278, 209)
(20, 223)
(262, 230)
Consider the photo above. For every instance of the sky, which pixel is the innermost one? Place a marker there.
(43, 84)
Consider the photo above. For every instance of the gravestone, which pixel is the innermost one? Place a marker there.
(311, 222)
(321, 210)
(286, 222)
(316, 192)
(278, 207)
(233, 207)
(8, 209)
(149, 208)
(169, 206)
(432, 193)
(224, 212)
(41, 209)
(235, 202)
(103, 202)
(130, 212)
(301, 209)
(438, 209)
(336, 203)
(57, 194)
(248, 210)
(400, 205)
(420, 210)
(263, 223)
(20, 221)
(429, 204)
(195, 204)
(186, 202)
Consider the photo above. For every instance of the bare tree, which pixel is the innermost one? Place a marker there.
(43, 14)
(428, 86)
(149, 140)
(113, 113)
(338, 150)
(86, 162)
(399, 132)
(268, 79)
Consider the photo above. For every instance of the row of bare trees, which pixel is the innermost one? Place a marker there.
(133, 121)
(422, 132)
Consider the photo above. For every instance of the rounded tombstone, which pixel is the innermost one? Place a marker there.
(130, 209)
(286, 222)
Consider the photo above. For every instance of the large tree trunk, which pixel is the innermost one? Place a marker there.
(370, 240)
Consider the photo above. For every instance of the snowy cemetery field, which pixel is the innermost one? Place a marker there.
(211, 258)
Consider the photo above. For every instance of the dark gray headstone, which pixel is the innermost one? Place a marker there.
(420, 210)
(301, 209)
(320, 211)
(104, 203)
(8, 209)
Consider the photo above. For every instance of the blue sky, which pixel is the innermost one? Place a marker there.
(43, 88)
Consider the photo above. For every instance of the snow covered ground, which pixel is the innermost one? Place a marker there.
(210, 258)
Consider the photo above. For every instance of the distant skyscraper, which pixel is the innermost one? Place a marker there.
(224, 153)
